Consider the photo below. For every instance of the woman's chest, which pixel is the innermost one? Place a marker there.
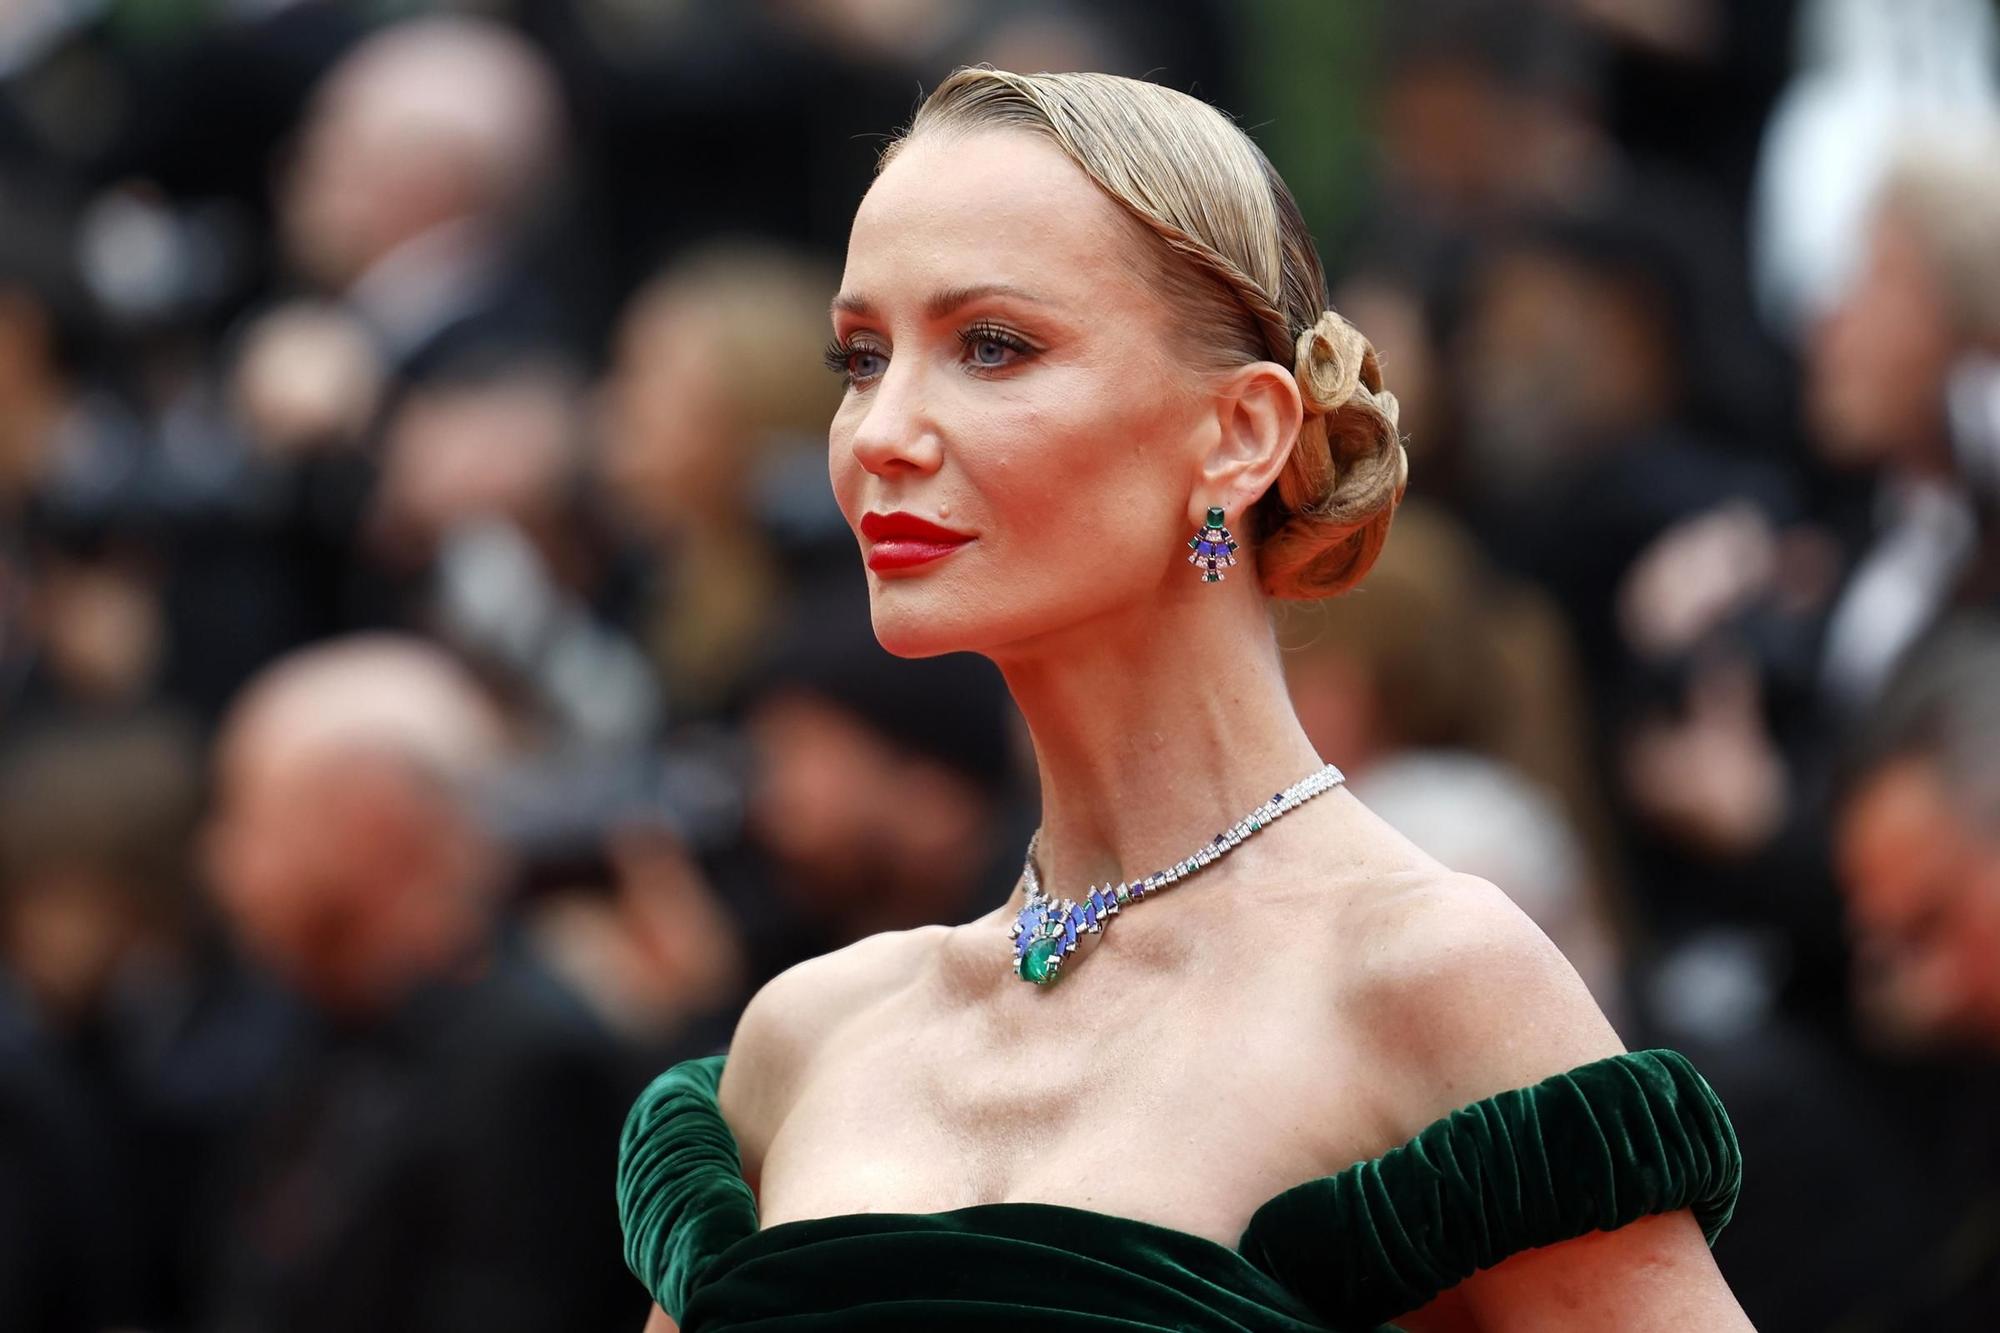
(1188, 1115)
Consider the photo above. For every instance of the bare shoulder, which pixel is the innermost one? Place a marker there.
(795, 1014)
(1455, 994)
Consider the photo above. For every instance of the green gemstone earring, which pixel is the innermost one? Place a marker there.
(1212, 546)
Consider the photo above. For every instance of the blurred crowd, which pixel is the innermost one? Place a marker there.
(437, 689)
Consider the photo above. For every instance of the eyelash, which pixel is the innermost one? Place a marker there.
(839, 353)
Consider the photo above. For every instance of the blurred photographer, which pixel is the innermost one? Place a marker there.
(1780, 632)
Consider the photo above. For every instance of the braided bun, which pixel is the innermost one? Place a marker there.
(1324, 523)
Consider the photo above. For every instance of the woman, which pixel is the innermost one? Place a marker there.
(1320, 1083)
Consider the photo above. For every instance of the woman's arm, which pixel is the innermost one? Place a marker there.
(1654, 1275)
(1461, 997)
(660, 1323)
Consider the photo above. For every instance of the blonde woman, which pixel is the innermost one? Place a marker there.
(1235, 1055)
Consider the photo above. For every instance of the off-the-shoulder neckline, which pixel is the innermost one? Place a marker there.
(779, 1233)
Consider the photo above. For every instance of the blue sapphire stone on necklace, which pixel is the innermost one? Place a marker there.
(1027, 925)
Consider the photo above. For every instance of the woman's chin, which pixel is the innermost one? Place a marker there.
(912, 624)
(914, 636)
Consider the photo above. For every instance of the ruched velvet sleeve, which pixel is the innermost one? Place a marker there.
(1592, 1148)
(681, 1194)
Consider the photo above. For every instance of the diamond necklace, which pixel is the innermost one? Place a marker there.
(1045, 930)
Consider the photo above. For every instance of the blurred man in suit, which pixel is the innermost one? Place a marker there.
(437, 1159)
(1918, 849)
(422, 159)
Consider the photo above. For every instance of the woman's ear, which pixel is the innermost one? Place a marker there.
(1257, 415)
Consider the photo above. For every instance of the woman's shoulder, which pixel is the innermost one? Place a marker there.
(1449, 993)
(1509, 1118)
(809, 998)
(799, 1012)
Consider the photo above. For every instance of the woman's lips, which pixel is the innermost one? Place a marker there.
(905, 552)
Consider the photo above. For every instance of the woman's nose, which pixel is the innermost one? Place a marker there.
(896, 429)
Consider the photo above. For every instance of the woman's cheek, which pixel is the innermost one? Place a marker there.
(842, 468)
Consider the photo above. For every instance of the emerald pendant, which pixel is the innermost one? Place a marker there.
(1035, 962)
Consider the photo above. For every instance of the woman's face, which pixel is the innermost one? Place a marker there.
(1011, 379)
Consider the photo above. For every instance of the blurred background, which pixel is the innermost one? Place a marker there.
(436, 686)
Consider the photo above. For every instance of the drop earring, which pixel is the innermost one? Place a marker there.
(1212, 546)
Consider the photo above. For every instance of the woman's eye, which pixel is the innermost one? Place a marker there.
(991, 349)
(990, 352)
(853, 363)
(983, 349)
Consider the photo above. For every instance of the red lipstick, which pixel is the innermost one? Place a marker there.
(900, 540)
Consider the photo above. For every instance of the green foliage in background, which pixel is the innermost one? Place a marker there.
(1309, 75)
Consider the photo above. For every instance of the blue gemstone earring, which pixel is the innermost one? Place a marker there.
(1212, 546)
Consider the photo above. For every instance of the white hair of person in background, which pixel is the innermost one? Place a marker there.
(421, 155)
(1903, 373)
(1870, 74)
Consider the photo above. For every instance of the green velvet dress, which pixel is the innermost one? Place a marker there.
(1593, 1148)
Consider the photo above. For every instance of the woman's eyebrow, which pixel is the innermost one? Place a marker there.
(940, 303)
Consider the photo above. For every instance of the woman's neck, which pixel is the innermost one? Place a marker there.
(1155, 734)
